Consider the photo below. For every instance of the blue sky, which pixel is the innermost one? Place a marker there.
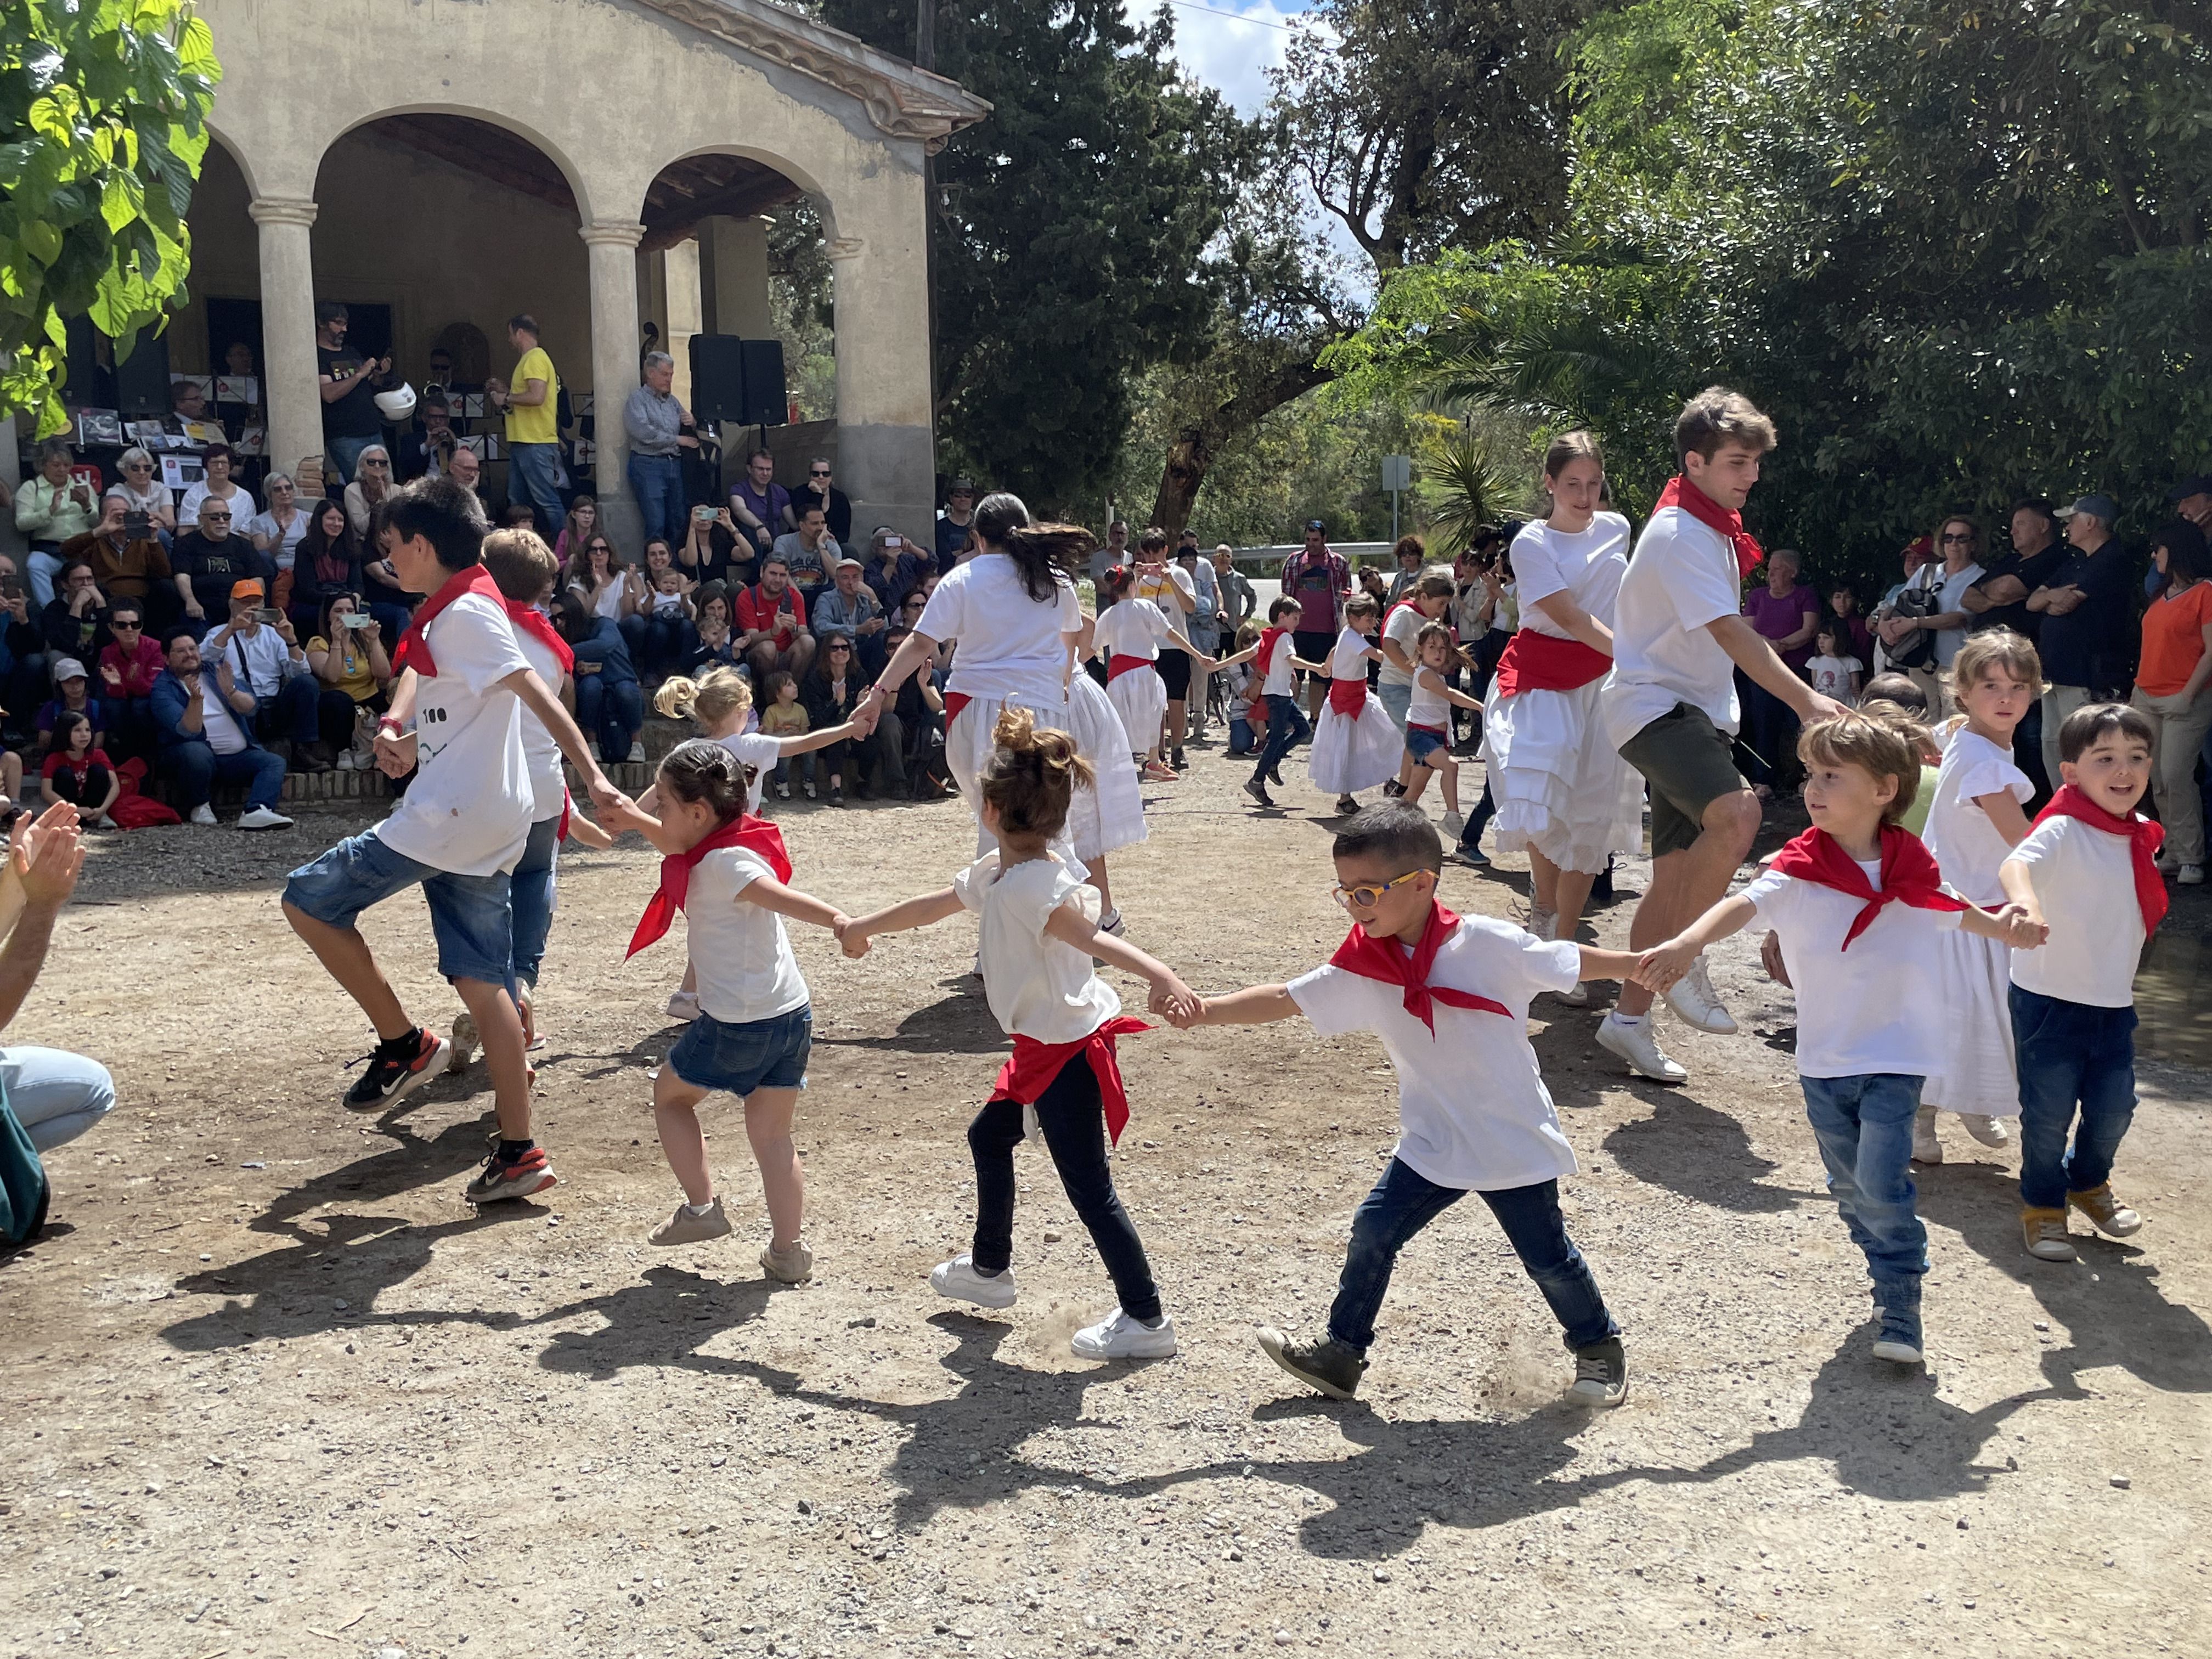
(1227, 52)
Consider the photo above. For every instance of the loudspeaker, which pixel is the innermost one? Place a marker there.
(766, 401)
(737, 380)
(141, 379)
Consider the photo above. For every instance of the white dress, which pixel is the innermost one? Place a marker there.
(1352, 752)
(1981, 1076)
(1560, 785)
(1135, 628)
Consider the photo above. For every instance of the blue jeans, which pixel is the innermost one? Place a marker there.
(1240, 735)
(56, 1096)
(1397, 702)
(534, 478)
(471, 917)
(344, 454)
(1864, 1127)
(1403, 1202)
(41, 571)
(657, 645)
(657, 481)
(193, 769)
(743, 1058)
(2071, 1054)
(613, 713)
(1287, 727)
(532, 898)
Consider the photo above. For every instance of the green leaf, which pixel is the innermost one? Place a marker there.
(43, 241)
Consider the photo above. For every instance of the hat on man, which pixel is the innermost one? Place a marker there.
(961, 487)
(848, 560)
(2097, 507)
(69, 668)
(251, 589)
(2199, 485)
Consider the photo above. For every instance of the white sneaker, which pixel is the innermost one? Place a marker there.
(636, 755)
(1454, 822)
(1638, 1044)
(1117, 1336)
(264, 817)
(1692, 999)
(1926, 1149)
(1541, 922)
(684, 1006)
(464, 1043)
(1990, 1131)
(1111, 922)
(958, 1280)
(348, 762)
(2191, 875)
(204, 813)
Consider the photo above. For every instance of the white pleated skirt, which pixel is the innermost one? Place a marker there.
(1103, 818)
(1141, 698)
(1559, 785)
(1981, 1075)
(1355, 752)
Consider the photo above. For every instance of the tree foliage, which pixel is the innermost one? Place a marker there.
(103, 107)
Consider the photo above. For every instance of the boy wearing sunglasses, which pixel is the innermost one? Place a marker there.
(1449, 995)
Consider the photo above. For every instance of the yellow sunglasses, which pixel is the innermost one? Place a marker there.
(1366, 897)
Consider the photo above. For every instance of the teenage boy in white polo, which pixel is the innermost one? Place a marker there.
(459, 830)
(1669, 705)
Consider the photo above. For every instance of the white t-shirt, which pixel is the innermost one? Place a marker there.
(1132, 628)
(1347, 658)
(760, 751)
(1586, 566)
(1038, 987)
(1401, 627)
(225, 735)
(1832, 675)
(1959, 834)
(1473, 1110)
(1281, 679)
(2085, 881)
(240, 503)
(741, 952)
(1682, 580)
(1010, 643)
(548, 784)
(1877, 1007)
(469, 809)
(1160, 584)
(1428, 708)
(1950, 595)
(287, 540)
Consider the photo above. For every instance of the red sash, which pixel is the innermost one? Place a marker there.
(1269, 639)
(414, 650)
(755, 835)
(1432, 731)
(529, 619)
(1535, 662)
(954, 702)
(1384, 959)
(2144, 837)
(1116, 665)
(1348, 696)
(1033, 1066)
(1909, 875)
(1681, 492)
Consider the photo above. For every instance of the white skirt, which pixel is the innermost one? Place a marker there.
(1352, 752)
(1103, 818)
(1559, 785)
(1141, 698)
(1982, 1076)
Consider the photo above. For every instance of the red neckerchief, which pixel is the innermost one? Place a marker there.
(1909, 875)
(2144, 837)
(414, 650)
(1681, 492)
(1384, 959)
(1269, 639)
(1533, 661)
(1034, 1065)
(1118, 664)
(529, 619)
(754, 834)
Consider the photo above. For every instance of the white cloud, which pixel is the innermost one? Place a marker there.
(1230, 53)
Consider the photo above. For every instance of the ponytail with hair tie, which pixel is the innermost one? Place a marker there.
(1032, 775)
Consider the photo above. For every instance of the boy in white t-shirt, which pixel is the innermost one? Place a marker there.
(1449, 996)
(1857, 902)
(458, 831)
(2089, 868)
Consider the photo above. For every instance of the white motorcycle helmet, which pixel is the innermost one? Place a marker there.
(397, 404)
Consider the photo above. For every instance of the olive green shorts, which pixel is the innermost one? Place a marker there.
(1689, 763)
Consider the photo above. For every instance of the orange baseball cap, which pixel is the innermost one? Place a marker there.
(251, 589)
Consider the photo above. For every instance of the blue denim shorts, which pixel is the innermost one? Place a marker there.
(471, 916)
(761, 1054)
(1421, 744)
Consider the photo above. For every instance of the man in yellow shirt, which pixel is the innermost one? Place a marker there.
(533, 431)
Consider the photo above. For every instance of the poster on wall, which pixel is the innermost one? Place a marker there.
(252, 441)
(99, 428)
(182, 471)
(237, 389)
(204, 382)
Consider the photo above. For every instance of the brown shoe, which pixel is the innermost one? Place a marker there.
(2106, 1213)
(794, 1266)
(685, 1228)
(2044, 1232)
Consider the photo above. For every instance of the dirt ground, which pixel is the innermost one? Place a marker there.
(271, 1389)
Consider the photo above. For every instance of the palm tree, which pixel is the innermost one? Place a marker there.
(1463, 486)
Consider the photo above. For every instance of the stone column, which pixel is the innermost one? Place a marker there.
(680, 282)
(613, 245)
(885, 447)
(288, 329)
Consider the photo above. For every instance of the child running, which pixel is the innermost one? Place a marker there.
(1428, 718)
(1040, 932)
(1355, 746)
(727, 872)
(1859, 906)
(2089, 866)
(1128, 634)
(1276, 662)
(1449, 995)
(1974, 821)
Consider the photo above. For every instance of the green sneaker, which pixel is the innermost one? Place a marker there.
(1327, 1364)
(1601, 1375)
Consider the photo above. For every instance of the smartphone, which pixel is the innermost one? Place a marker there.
(702, 515)
(355, 620)
(268, 615)
(137, 522)
(894, 541)
(11, 585)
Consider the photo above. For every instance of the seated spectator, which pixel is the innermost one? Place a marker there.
(23, 655)
(139, 482)
(51, 509)
(771, 624)
(1785, 612)
(129, 664)
(583, 519)
(819, 491)
(76, 623)
(72, 696)
(660, 632)
(348, 655)
(371, 483)
(389, 601)
(329, 563)
(466, 468)
(713, 643)
(610, 589)
(278, 529)
(757, 502)
(261, 649)
(77, 772)
(810, 552)
(712, 550)
(220, 460)
(125, 565)
(519, 515)
(188, 401)
(894, 567)
(915, 720)
(610, 702)
(212, 560)
(54, 1095)
(848, 611)
(430, 445)
(833, 691)
(205, 721)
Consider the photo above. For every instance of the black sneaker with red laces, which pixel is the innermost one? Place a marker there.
(396, 1070)
(509, 1175)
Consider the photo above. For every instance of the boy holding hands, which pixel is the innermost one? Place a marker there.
(1449, 996)
(1856, 903)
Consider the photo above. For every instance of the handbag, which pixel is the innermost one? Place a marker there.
(1916, 649)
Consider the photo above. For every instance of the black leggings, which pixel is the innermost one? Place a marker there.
(1075, 1126)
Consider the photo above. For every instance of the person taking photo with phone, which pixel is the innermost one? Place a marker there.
(262, 653)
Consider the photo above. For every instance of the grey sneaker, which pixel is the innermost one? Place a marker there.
(685, 1228)
(1327, 1364)
(464, 1043)
(793, 1267)
(1899, 1341)
(1990, 1131)
(1601, 1375)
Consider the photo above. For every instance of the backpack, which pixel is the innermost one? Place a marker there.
(1917, 598)
(24, 1192)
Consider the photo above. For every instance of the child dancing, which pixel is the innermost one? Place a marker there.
(2090, 868)
(1449, 995)
(1128, 634)
(1428, 720)
(727, 872)
(1274, 661)
(1356, 745)
(1859, 909)
(1040, 932)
